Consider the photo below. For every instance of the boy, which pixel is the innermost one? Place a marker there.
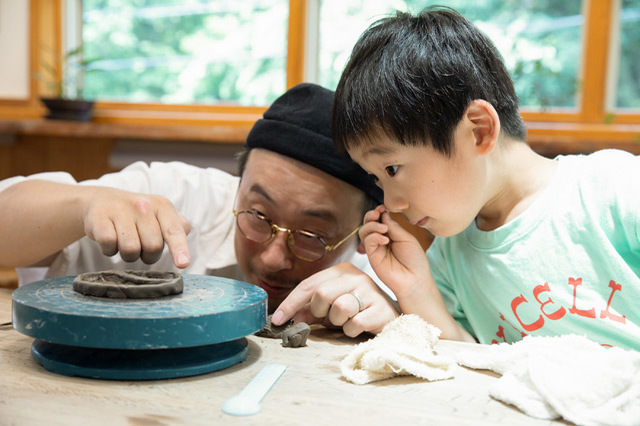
(525, 245)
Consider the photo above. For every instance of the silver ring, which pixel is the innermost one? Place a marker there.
(359, 299)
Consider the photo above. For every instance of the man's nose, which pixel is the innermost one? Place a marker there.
(276, 255)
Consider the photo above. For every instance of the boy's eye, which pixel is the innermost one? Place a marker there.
(391, 170)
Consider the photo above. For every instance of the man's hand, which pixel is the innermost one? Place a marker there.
(136, 226)
(40, 218)
(330, 297)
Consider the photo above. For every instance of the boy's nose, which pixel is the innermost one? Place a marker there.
(395, 203)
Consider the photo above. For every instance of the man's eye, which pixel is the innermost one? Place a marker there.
(391, 170)
(259, 214)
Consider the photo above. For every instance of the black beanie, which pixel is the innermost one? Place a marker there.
(298, 125)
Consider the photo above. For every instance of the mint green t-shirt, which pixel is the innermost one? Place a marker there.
(569, 264)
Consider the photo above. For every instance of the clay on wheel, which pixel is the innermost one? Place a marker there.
(129, 284)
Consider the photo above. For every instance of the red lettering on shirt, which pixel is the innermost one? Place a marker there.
(500, 334)
(556, 315)
(606, 313)
(522, 333)
(590, 313)
(537, 324)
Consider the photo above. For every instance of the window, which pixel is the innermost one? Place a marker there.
(574, 63)
(225, 51)
(625, 56)
(540, 41)
(185, 52)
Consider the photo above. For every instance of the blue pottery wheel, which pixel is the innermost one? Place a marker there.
(196, 332)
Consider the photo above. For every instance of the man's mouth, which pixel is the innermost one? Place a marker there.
(273, 289)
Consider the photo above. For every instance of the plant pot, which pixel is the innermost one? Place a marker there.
(68, 109)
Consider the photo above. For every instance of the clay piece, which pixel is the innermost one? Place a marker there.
(292, 336)
(273, 331)
(129, 284)
(296, 336)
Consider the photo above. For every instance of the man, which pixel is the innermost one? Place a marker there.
(294, 212)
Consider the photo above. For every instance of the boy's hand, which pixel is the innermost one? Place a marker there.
(136, 226)
(327, 297)
(395, 255)
(400, 262)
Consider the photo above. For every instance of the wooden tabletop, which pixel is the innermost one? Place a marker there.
(311, 391)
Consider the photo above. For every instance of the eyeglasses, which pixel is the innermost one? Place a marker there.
(304, 245)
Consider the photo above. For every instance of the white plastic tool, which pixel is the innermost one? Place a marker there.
(247, 402)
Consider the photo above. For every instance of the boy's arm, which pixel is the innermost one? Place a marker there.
(400, 262)
(40, 218)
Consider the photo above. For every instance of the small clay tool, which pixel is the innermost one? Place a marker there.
(247, 402)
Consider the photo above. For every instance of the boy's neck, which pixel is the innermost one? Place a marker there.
(519, 177)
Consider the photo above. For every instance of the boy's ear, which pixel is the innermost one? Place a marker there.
(485, 123)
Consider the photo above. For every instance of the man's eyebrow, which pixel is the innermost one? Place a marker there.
(319, 213)
(257, 188)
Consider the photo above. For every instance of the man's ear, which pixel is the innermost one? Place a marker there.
(361, 249)
(485, 125)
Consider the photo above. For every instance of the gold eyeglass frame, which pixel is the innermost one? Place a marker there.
(290, 241)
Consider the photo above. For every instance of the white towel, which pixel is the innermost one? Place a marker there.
(403, 347)
(565, 376)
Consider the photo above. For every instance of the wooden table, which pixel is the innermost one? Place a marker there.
(311, 391)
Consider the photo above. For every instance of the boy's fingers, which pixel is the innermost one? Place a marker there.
(374, 215)
(395, 231)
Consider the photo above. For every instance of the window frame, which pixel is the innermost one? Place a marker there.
(592, 120)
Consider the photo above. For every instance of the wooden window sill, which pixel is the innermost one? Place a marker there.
(170, 132)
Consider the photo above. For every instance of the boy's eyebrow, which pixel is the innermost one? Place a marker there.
(376, 150)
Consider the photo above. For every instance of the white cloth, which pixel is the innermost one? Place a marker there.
(403, 347)
(565, 376)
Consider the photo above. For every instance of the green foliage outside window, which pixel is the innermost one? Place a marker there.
(234, 52)
(187, 51)
(628, 93)
(540, 40)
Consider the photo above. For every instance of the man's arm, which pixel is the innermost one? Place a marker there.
(40, 218)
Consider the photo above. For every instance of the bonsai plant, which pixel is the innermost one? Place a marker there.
(63, 77)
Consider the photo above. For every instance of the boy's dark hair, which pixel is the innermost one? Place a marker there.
(411, 79)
